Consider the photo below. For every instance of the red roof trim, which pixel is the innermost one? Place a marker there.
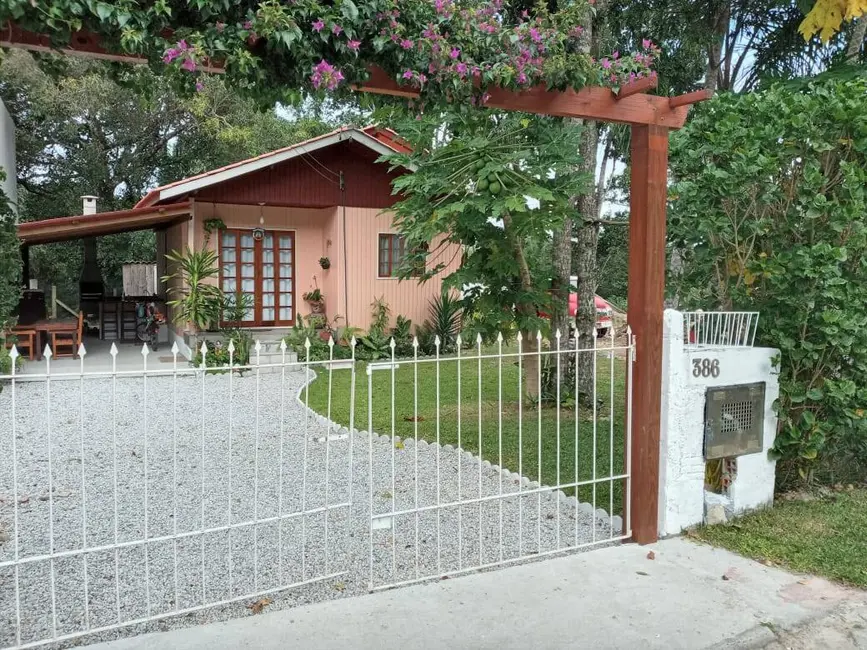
(38, 229)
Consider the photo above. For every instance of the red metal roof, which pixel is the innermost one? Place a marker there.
(385, 136)
(101, 223)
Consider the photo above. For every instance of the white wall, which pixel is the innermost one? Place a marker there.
(682, 464)
(7, 156)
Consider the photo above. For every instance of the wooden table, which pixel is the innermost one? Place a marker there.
(45, 327)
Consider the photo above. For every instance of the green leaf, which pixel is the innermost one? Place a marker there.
(104, 10)
(349, 10)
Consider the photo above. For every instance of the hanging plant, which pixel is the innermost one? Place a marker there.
(325, 263)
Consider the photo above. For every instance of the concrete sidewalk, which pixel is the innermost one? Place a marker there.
(608, 598)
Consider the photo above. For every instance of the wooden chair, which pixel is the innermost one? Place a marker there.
(25, 341)
(70, 339)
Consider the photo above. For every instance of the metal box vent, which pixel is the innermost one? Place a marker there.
(734, 420)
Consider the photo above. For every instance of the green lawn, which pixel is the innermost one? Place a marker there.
(826, 536)
(522, 425)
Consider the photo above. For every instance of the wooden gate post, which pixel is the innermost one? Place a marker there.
(645, 297)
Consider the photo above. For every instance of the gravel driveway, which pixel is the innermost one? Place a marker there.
(184, 449)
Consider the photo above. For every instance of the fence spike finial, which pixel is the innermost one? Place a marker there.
(330, 341)
(459, 341)
(538, 335)
(307, 343)
(82, 351)
(145, 350)
(231, 346)
(204, 348)
(437, 341)
(47, 352)
(415, 342)
(353, 342)
(392, 344)
(13, 354)
(557, 334)
(258, 346)
(282, 345)
(499, 337)
(479, 338)
(175, 349)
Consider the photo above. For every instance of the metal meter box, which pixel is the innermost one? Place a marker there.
(734, 420)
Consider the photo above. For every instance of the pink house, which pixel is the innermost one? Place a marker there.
(284, 213)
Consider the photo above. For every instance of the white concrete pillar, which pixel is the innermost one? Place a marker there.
(7, 157)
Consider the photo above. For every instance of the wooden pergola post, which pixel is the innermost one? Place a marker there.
(646, 288)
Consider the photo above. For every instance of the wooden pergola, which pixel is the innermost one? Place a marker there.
(651, 118)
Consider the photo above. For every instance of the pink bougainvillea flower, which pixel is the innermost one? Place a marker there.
(354, 45)
(606, 64)
(615, 55)
(407, 74)
(325, 74)
(189, 64)
(318, 25)
(336, 29)
(170, 55)
(455, 53)
(646, 43)
(461, 69)
(182, 45)
(199, 86)
(220, 26)
(406, 44)
(248, 24)
(534, 34)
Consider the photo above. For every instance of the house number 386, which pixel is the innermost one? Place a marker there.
(705, 368)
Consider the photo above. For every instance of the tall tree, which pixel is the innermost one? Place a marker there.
(471, 189)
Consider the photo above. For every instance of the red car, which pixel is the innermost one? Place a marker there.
(603, 313)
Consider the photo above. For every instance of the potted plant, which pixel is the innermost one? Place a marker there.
(325, 263)
(316, 301)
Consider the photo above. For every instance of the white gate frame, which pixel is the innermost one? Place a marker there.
(387, 519)
(21, 558)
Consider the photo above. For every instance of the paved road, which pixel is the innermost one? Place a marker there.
(689, 596)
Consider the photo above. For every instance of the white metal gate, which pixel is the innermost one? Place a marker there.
(133, 496)
(136, 488)
(486, 476)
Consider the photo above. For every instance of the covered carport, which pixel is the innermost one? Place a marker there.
(103, 312)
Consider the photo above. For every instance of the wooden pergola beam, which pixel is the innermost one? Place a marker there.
(637, 86)
(630, 106)
(81, 44)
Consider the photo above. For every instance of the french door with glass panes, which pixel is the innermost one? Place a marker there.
(260, 265)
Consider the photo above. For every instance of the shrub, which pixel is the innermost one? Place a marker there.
(769, 213)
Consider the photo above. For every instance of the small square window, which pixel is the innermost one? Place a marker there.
(392, 249)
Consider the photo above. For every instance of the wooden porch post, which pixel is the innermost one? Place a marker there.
(645, 296)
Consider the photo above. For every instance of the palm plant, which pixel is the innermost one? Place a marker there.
(445, 319)
(195, 299)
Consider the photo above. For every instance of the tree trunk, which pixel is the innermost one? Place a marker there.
(856, 40)
(531, 360)
(719, 22)
(587, 236)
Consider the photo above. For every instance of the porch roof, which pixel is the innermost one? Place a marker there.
(102, 223)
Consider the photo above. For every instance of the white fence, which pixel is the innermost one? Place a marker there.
(130, 498)
(720, 328)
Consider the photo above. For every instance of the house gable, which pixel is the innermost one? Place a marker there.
(312, 181)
